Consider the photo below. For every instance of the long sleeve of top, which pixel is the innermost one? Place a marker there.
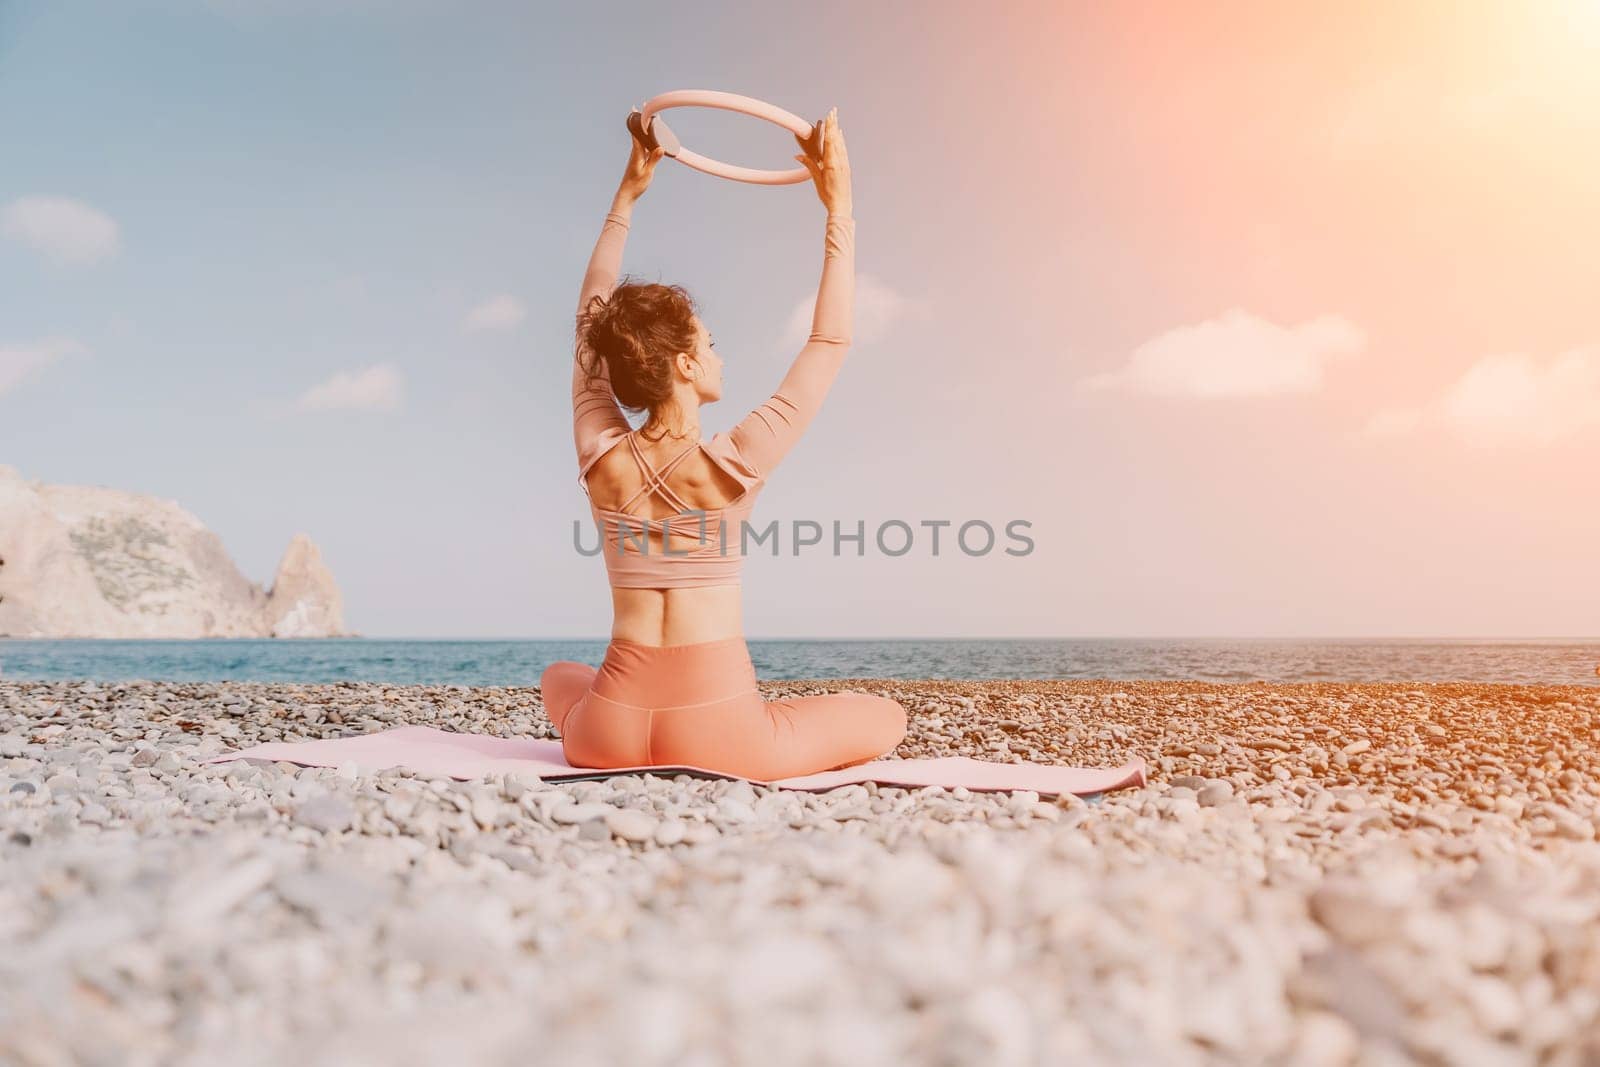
(597, 420)
(767, 434)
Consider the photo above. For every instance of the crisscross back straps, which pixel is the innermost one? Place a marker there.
(654, 480)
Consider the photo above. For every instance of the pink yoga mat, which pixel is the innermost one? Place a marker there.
(428, 751)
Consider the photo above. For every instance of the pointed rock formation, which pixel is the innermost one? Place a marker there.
(85, 561)
(304, 601)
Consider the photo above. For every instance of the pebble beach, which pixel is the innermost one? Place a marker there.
(1316, 874)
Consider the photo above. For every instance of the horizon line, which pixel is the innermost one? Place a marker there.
(1565, 638)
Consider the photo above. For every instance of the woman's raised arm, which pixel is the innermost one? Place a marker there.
(594, 405)
(767, 434)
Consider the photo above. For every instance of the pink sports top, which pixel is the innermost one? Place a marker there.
(706, 547)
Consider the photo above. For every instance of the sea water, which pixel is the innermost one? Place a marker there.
(520, 662)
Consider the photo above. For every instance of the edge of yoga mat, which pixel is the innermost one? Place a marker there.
(426, 750)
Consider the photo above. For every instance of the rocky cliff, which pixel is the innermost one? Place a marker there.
(83, 561)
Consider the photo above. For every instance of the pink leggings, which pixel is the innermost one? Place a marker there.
(698, 705)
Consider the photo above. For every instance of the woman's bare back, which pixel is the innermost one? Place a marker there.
(616, 478)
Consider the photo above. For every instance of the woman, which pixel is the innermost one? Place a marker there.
(677, 685)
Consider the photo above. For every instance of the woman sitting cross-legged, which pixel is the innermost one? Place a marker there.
(677, 685)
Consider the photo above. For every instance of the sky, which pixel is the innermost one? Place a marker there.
(1266, 319)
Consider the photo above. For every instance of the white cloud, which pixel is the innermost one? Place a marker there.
(876, 308)
(1510, 399)
(20, 362)
(375, 388)
(66, 231)
(1236, 354)
(501, 312)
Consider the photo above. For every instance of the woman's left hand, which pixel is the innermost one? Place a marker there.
(641, 168)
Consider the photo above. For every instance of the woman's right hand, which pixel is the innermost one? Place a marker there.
(832, 175)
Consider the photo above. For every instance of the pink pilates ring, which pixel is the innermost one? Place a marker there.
(650, 131)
